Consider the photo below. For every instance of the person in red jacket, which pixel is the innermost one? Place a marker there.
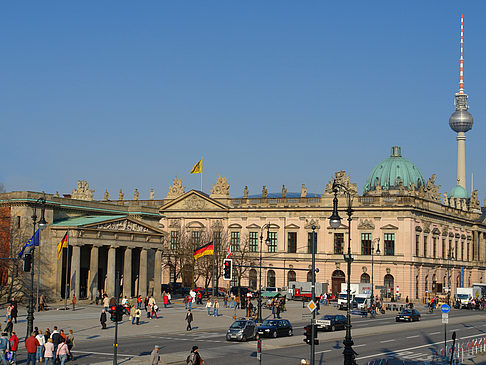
(14, 346)
(31, 345)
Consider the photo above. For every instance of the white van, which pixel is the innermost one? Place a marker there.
(362, 301)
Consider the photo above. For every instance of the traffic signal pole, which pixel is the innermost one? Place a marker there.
(117, 299)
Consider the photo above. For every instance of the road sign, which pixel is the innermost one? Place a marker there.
(322, 322)
(445, 318)
(312, 306)
(306, 316)
(445, 308)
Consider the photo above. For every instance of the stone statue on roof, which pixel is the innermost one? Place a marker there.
(107, 196)
(152, 194)
(121, 195)
(82, 192)
(264, 192)
(303, 191)
(176, 190)
(136, 195)
(284, 192)
(221, 189)
(245, 192)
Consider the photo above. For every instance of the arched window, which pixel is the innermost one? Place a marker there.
(337, 279)
(365, 278)
(252, 282)
(271, 278)
(291, 276)
(389, 283)
(309, 275)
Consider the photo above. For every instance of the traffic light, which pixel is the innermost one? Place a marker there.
(112, 311)
(119, 313)
(228, 269)
(308, 335)
(27, 262)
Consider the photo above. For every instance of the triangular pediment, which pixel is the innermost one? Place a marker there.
(292, 226)
(389, 226)
(253, 226)
(127, 224)
(193, 201)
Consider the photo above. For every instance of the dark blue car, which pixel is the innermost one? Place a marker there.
(275, 327)
(331, 322)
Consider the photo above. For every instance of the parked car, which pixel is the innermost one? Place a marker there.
(331, 322)
(241, 330)
(275, 327)
(408, 315)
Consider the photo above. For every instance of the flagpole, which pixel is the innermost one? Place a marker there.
(67, 272)
(201, 182)
(214, 263)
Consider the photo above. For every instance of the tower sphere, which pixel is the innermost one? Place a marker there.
(461, 121)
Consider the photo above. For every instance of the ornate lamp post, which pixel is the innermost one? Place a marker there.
(450, 257)
(372, 271)
(335, 222)
(267, 241)
(42, 225)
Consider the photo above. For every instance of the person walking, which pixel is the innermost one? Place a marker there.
(194, 358)
(103, 320)
(98, 297)
(14, 346)
(31, 345)
(166, 300)
(14, 311)
(62, 352)
(9, 313)
(9, 327)
(138, 314)
(139, 301)
(106, 303)
(155, 356)
(3, 348)
(132, 313)
(70, 344)
(73, 301)
(40, 349)
(208, 306)
(189, 320)
(216, 308)
(49, 352)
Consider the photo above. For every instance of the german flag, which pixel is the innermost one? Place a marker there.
(63, 243)
(207, 249)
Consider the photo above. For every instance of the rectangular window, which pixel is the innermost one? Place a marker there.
(195, 238)
(292, 242)
(338, 243)
(468, 251)
(217, 241)
(272, 247)
(444, 253)
(389, 244)
(425, 246)
(449, 251)
(235, 241)
(310, 240)
(462, 250)
(434, 247)
(253, 242)
(417, 245)
(174, 240)
(366, 243)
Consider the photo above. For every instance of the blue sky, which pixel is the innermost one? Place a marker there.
(129, 94)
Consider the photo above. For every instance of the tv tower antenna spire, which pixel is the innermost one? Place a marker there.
(461, 62)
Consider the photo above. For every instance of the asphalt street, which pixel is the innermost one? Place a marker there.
(378, 338)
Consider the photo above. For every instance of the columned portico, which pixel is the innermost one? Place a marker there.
(76, 270)
(127, 273)
(142, 276)
(110, 271)
(93, 271)
(158, 274)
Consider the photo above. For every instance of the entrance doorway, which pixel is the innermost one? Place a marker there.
(337, 279)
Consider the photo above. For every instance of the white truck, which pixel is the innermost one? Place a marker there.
(303, 289)
(361, 288)
(362, 301)
(465, 295)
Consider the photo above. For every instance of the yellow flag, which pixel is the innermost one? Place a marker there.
(197, 169)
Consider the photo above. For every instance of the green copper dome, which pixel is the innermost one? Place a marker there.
(458, 192)
(393, 172)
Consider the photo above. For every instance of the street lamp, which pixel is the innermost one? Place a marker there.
(42, 225)
(450, 257)
(335, 222)
(267, 241)
(372, 272)
(313, 293)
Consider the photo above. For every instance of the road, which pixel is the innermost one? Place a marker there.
(374, 339)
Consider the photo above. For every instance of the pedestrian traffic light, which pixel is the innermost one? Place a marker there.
(27, 262)
(112, 311)
(228, 269)
(308, 335)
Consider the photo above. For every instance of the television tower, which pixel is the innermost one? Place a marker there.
(461, 120)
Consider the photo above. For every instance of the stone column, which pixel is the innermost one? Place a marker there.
(76, 270)
(142, 274)
(127, 273)
(93, 271)
(158, 274)
(110, 272)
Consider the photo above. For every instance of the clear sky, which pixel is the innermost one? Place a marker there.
(129, 94)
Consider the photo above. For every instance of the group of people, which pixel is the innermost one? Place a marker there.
(212, 306)
(50, 347)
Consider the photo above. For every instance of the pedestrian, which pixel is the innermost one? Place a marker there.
(9, 327)
(14, 311)
(70, 344)
(103, 320)
(3, 348)
(47, 335)
(216, 308)
(138, 314)
(278, 310)
(97, 298)
(225, 302)
(73, 301)
(166, 300)
(132, 313)
(106, 303)
(9, 313)
(169, 297)
(14, 346)
(189, 320)
(194, 358)
(49, 352)
(40, 349)
(155, 356)
(63, 336)
(208, 306)
(31, 344)
(139, 301)
(62, 352)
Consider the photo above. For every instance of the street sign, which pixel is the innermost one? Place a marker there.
(306, 316)
(312, 306)
(445, 308)
(322, 322)
(445, 318)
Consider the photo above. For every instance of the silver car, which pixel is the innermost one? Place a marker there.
(242, 330)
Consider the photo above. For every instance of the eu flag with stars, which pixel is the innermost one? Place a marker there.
(33, 240)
